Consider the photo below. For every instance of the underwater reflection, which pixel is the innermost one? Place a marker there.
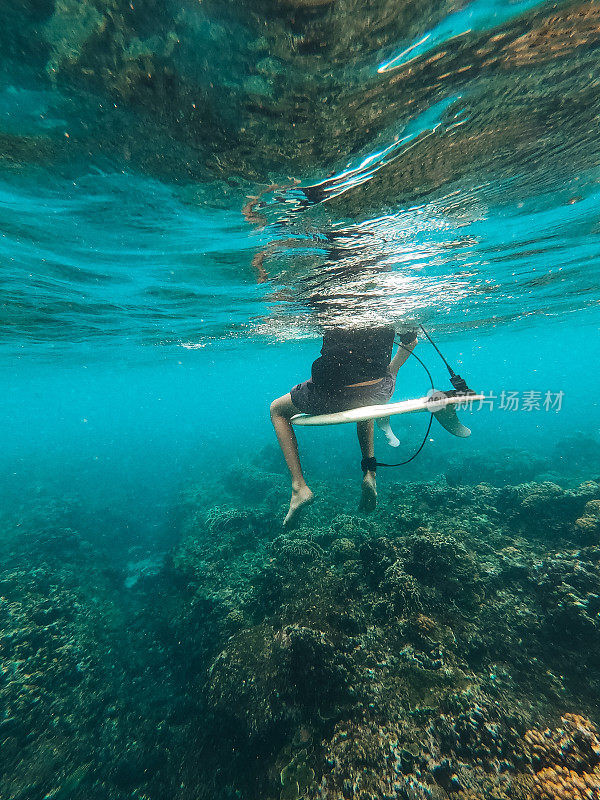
(397, 267)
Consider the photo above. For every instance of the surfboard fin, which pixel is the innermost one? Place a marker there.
(383, 423)
(447, 418)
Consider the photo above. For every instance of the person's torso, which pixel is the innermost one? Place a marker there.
(353, 355)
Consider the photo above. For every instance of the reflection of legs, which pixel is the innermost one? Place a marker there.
(365, 431)
(282, 410)
(279, 244)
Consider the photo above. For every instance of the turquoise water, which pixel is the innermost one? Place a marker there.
(189, 193)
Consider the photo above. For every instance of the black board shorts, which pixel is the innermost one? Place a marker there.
(311, 398)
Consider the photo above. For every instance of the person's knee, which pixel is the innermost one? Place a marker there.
(283, 407)
(277, 408)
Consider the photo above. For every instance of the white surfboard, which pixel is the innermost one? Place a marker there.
(436, 402)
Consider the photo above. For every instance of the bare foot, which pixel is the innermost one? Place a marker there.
(300, 498)
(368, 500)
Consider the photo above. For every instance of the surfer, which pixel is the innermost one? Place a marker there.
(355, 369)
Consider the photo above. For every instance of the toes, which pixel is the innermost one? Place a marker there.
(368, 500)
(295, 508)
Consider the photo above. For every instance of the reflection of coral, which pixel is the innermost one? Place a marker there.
(556, 36)
(68, 29)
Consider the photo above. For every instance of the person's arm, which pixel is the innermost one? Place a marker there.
(409, 342)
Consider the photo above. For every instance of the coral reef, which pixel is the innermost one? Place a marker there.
(559, 782)
(503, 466)
(425, 651)
(574, 745)
(566, 760)
(405, 642)
(587, 526)
(545, 508)
(72, 669)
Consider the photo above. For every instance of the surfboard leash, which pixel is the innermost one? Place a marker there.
(457, 381)
(459, 384)
(408, 460)
(372, 463)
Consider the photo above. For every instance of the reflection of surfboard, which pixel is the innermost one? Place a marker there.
(440, 404)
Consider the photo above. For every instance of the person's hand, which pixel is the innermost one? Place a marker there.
(408, 338)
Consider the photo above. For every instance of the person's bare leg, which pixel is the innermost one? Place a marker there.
(365, 431)
(383, 423)
(400, 358)
(282, 410)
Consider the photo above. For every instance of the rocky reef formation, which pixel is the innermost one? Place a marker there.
(446, 646)
(569, 461)
(409, 654)
(566, 760)
(77, 666)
